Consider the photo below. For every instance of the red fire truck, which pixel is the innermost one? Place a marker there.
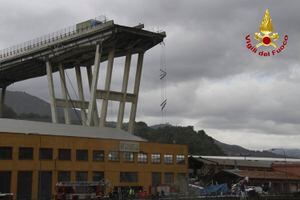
(80, 190)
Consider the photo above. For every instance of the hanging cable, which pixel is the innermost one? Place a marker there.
(70, 99)
(163, 83)
(77, 96)
(111, 105)
(71, 85)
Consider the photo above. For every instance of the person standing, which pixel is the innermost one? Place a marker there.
(243, 186)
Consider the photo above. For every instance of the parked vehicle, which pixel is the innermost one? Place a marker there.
(6, 196)
(80, 190)
(257, 189)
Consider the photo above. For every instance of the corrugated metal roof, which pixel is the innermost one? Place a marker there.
(257, 174)
(232, 162)
(250, 158)
(43, 128)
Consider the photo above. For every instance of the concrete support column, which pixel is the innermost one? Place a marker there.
(90, 175)
(14, 182)
(51, 92)
(54, 181)
(81, 94)
(2, 103)
(92, 103)
(95, 114)
(136, 91)
(64, 91)
(124, 90)
(110, 64)
(35, 184)
(73, 176)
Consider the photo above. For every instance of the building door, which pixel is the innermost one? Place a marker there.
(5, 178)
(24, 184)
(45, 185)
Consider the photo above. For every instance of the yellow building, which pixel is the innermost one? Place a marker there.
(34, 156)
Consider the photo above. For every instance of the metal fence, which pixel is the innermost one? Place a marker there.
(266, 197)
(50, 38)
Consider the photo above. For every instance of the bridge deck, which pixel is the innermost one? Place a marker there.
(75, 49)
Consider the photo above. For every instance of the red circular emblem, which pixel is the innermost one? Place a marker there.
(266, 40)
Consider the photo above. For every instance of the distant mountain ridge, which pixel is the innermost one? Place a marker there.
(235, 150)
(24, 103)
(293, 153)
(30, 107)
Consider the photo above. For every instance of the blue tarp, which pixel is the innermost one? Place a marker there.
(215, 190)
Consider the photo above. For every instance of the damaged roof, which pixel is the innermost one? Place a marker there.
(257, 174)
(235, 162)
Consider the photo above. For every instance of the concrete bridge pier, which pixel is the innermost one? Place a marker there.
(64, 92)
(110, 64)
(95, 120)
(51, 92)
(124, 90)
(93, 79)
(136, 89)
(80, 94)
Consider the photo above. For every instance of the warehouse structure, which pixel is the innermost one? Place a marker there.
(281, 175)
(34, 156)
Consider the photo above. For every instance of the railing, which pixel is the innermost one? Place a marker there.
(51, 37)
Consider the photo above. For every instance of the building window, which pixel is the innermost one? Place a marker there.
(180, 159)
(24, 185)
(128, 177)
(98, 176)
(169, 178)
(142, 157)
(6, 153)
(64, 154)
(128, 156)
(64, 176)
(81, 176)
(156, 178)
(114, 156)
(82, 155)
(155, 158)
(25, 153)
(46, 154)
(168, 159)
(98, 155)
(44, 185)
(5, 181)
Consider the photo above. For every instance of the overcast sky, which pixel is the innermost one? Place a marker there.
(214, 82)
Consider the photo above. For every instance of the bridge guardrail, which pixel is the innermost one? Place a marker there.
(52, 37)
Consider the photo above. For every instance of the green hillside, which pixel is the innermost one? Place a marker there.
(197, 141)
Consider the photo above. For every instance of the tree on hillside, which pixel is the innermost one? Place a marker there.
(197, 141)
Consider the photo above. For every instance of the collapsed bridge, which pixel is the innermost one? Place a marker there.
(86, 44)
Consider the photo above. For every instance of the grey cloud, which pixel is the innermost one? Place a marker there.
(212, 78)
